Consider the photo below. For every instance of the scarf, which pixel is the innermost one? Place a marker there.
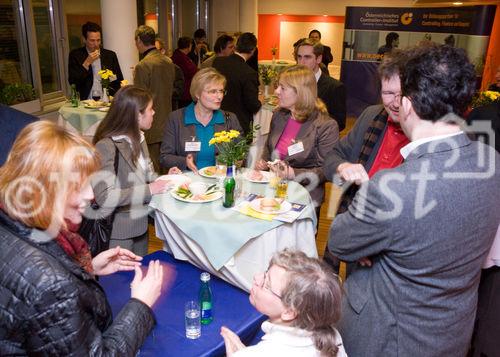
(370, 139)
(75, 246)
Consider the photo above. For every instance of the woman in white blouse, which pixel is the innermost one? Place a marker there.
(119, 137)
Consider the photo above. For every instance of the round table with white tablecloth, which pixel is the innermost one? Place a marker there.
(80, 119)
(227, 243)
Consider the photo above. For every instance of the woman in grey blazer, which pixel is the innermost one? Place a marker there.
(120, 136)
(188, 130)
(301, 132)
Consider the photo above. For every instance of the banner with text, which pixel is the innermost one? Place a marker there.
(370, 32)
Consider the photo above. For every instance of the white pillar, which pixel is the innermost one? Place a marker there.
(119, 22)
(248, 16)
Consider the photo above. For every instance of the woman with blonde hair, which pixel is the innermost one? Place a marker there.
(301, 132)
(127, 191)
(302, 298)
(50, 301)
(189, 130)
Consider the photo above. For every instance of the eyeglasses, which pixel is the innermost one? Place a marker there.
(216, 91)
(264, 285)
(391, 96)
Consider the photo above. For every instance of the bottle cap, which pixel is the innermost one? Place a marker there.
(205, 277)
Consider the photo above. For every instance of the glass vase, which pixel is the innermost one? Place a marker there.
(105, 96)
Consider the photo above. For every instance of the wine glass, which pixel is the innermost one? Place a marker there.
(96, 94)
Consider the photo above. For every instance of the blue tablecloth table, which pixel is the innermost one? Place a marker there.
(231, 308)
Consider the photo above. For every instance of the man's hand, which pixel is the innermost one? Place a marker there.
(93, 56)
(352, 173)
(231, 340)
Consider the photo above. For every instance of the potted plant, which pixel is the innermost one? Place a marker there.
(20, 96)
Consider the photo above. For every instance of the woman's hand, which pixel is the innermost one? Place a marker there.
(174, 171)
(231, 340)
(115, 259)
(159, 186)
(283, 170)
(148, 289)
(261, 165)
(191, 164)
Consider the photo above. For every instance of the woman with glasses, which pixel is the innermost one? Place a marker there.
(188, 130)
(301, 296)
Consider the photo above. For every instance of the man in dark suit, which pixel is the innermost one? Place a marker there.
(242, 87)
(84, 63)
(327, 56)
(330, 90)
(418, 225)
(11, 123)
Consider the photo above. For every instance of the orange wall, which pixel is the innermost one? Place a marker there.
(493, 53)
(269, 30)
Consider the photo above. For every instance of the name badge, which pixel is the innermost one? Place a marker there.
(295, 148)
(192, 146)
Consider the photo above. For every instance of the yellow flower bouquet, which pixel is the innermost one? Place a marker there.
(231, 147)
(107, 76)
(267, 74)
(484, 98)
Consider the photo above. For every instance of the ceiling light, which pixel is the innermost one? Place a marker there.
(457, 3)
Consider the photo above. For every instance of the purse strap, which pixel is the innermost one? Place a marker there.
(115, 164)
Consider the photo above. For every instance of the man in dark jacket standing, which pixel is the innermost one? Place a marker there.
(84, 63)
(156, 73)
(330, 90)
(242, 96)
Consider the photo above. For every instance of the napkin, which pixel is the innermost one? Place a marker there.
(245, 208)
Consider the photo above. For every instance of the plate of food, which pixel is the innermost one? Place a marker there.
(270, 205)
(94, 104)
(175, 180)
(212, 171)
(196, 192)
(258, 176)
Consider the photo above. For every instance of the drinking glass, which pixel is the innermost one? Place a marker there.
(96, 94)
(192, 319)
(282, 184)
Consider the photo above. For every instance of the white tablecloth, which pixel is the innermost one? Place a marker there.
(251, 259)
(80, 120)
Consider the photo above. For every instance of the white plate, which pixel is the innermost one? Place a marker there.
(285, 207)
(266, 177)
(213, 197)
(202, 173)
(176, 180)
(104, 109)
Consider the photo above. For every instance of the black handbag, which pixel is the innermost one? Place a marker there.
(95, 229)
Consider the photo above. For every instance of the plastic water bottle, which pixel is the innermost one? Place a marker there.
(205, 299)
(229, 186)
